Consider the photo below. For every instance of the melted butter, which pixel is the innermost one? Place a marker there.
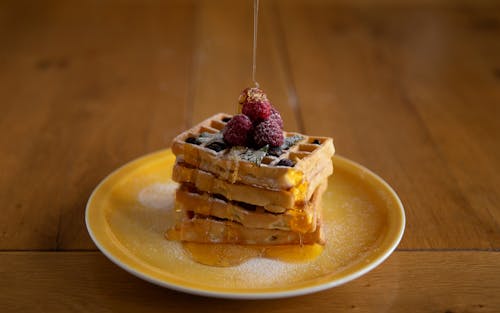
(226, 255)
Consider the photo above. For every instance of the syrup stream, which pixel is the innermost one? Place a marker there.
(225, 255)
(255, 27)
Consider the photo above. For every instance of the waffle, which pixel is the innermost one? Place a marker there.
(191, 201)
(307, 152)
(238, 195)
(276, 201)
(202, 229)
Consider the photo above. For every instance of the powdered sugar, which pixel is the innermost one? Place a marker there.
(264, 272)
(158, 195)
(141, 211)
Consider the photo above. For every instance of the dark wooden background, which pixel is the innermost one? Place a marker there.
(409, 89)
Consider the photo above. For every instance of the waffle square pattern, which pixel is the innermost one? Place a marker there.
(240, 195)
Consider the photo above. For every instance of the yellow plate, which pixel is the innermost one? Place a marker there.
(129, 211)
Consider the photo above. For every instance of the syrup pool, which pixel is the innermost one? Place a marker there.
(226, 255)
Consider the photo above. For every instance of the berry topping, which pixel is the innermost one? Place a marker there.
(275, 116)
(316, 142)
(226, 119)
(252, 95)
(257, 111)
(268, 133)
(275, 151)
(255, 104)
(193, 141)
(216, 146)
(286, 162)
(237, 130)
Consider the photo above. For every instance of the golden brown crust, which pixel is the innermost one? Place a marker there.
(223, 198)
(302, 219)
(205, 230)
(273, 200)
(305, 153)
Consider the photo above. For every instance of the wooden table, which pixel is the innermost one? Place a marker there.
(412, 91)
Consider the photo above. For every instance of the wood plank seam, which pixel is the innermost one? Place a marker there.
(466, 205)
(397, 250)
(449, 250)
(193, 72)
(279, 34)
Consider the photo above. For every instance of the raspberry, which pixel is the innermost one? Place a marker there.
(268, 133)
(252, 95)
(237, 130)
(257, 111)
(255, 104)
(276, 116)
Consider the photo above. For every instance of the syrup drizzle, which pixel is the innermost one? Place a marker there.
(227, 255)
(255, 27)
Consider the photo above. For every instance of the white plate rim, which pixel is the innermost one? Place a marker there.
(251, 295)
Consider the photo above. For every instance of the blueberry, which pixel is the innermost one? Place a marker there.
(316, 142)
(275, 151)
(217, 146)
(226, 119)
(193, 141)
(286, 162)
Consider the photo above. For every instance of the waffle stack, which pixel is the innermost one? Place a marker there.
(243, 196)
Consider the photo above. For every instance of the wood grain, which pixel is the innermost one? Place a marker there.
(86, 88)
(407, 282)
(91, 98)
(411, 90)
(403, 92)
